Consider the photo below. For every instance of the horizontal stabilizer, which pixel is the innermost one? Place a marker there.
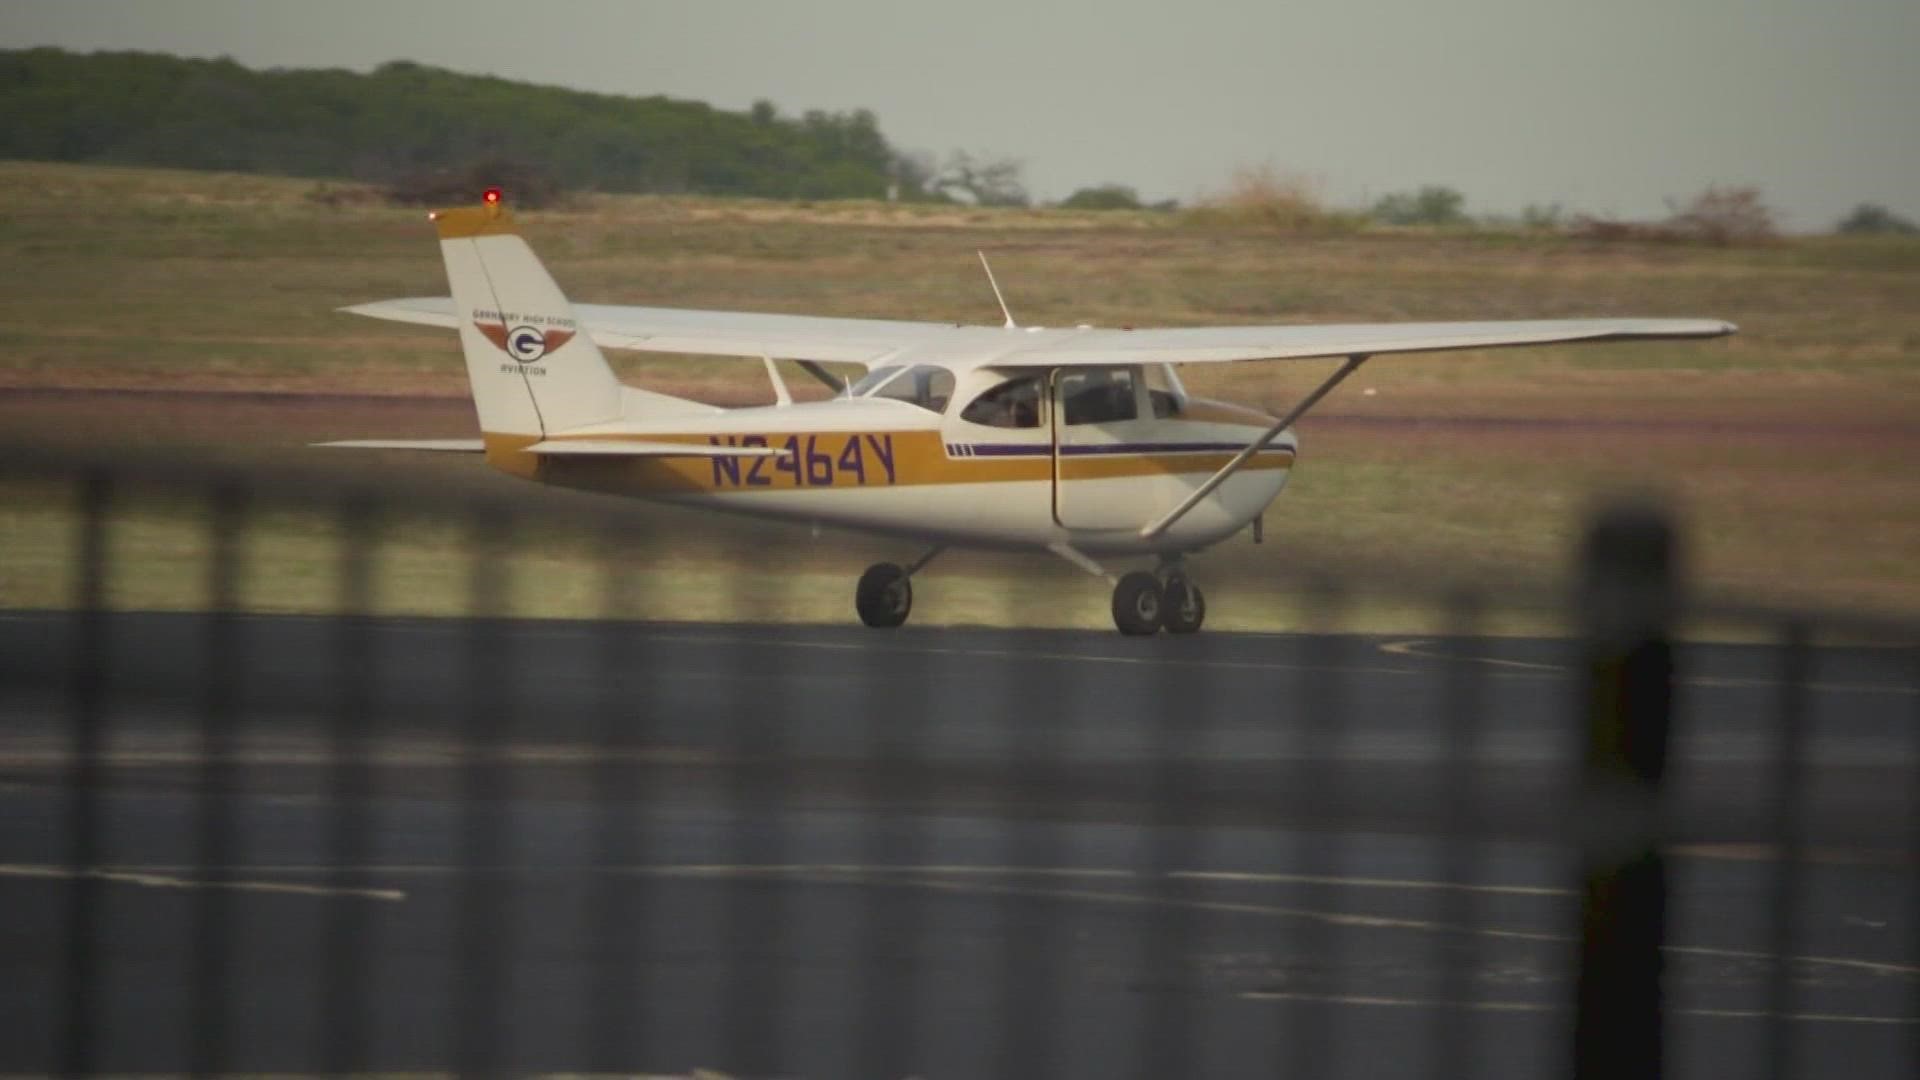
(455, 446)
(635, 448)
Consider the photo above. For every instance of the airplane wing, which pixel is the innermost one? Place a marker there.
(712, 333)
(873, 341)
(1225, 344)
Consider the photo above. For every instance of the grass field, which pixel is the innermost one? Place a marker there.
(1790, 450)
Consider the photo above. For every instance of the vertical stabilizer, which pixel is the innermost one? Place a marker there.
(533, 372)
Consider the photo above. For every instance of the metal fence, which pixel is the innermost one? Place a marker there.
(252, 842)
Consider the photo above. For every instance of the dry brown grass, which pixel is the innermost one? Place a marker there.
(1789, 447)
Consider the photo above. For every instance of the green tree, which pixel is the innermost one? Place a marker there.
(1872, 219)
(984, 181)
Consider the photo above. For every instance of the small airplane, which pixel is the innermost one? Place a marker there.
(1080, 441)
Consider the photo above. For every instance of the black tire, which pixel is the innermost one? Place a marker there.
(884, 596)
(1185, 606)
(1138, 604)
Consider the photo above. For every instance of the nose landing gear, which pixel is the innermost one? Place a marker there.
(884, 596)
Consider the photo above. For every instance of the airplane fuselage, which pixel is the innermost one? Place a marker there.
(886, 466)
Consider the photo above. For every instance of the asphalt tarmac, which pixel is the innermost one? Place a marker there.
(935, 852)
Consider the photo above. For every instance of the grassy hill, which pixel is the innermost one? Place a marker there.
(403, 118)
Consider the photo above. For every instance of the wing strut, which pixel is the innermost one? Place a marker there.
(1166, 520)
(827, 378)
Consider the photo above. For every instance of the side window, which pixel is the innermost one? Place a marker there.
(1098, 396)
(926, 386)
(1014, 404)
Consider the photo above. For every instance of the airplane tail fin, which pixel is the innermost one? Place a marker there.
(533, 372)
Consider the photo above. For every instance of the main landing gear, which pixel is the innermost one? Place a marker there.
(1144, 602)
(1165, 599)
(884, 596)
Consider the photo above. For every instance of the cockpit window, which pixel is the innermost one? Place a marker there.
(1098, 395)
(1012, 404)
(927, 386)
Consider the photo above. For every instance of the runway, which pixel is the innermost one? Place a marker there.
(939, 852)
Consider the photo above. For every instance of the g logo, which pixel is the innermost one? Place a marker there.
(526, 344)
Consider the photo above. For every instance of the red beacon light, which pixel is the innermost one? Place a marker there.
(491, 196)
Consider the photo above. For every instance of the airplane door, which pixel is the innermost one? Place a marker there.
(1099, 444)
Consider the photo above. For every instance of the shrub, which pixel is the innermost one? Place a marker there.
(1538, 218)
(1431, 205)
(1723, 215)
(1104, 197)
(1718, 215)
(1260, 197)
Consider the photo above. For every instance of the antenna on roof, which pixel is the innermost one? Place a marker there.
(1011, 325)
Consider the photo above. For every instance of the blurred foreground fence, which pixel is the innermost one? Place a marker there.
(247, 842)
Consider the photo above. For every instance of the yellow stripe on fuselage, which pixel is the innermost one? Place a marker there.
(883, 459)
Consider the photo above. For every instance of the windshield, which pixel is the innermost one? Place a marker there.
(867, 383)
(924, 385)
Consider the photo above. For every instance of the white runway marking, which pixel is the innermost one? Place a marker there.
(1420, 648)
(53, 755)
(1020, 654)
(1417, 647)
(950, 878)
(1547, 1007)
(150, 879)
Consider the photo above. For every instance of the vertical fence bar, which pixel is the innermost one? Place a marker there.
(1627, 600)
(1307, 950)
(86, 719)
(1035, 732)
(219, 775)
(886, 1015)
(1913, 849)
(1788, 833)
(1183, 718)
(482, 948)
(1462, 706)
(756, 845)
(619, 904)
(345, 987)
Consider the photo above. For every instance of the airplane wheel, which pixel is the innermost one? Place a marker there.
(884, 596)
(1137, 604)
(1186, 606)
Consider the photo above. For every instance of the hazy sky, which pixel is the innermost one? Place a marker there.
(1608, 106)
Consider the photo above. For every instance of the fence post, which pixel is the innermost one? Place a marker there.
(1626, 607)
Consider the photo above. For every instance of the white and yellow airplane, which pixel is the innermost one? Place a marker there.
(1078, 440)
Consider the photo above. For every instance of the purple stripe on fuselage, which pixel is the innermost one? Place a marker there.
(1043, 450)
